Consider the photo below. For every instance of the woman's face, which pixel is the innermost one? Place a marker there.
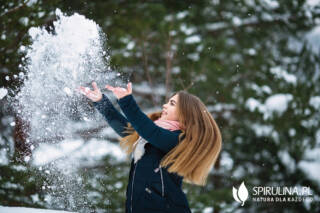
(170, 109)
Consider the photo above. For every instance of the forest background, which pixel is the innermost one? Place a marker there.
(254, 63)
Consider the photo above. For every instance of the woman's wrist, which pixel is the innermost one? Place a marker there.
(123, 97)
(125, 101)
(100, 99)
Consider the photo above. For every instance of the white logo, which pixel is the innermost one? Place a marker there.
(240, 195)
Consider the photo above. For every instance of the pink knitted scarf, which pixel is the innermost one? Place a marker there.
(168, 124)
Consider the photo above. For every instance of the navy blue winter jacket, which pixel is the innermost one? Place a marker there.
(150, 188)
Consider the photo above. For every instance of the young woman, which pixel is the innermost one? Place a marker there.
(180, 143)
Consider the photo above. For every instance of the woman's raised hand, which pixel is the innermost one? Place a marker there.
(120, 92)
(94, 95)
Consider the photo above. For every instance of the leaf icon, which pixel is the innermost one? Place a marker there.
(243, 193)
(235, 194)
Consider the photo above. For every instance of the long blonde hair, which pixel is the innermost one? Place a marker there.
(199, 143)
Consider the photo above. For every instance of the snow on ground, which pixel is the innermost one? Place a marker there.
(5, 209)
(76, 150)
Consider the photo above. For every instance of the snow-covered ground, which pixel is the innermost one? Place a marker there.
(75, 150)
(4, 209)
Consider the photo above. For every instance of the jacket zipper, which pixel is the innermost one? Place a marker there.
(161, 176)
(134, 173)
(162, 185)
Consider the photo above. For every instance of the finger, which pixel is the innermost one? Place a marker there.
(92, 96)
(78, 89)
(110, 87)
(129, 87)
(82, 90)
(120, 89)
(87, 90)
(94, 85)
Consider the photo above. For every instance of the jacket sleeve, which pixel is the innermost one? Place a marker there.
(115, 119)
(159, 137)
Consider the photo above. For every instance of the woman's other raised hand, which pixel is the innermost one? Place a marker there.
(94, 95)
(120, 92)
